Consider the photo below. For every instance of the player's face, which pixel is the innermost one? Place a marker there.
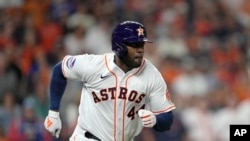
(134, 57)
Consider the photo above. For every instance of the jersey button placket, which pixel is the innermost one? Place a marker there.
(119, 119)
(120, 107)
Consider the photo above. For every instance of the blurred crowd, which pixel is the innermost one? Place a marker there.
(201, 47)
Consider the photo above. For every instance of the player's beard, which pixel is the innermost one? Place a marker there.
(130, 62)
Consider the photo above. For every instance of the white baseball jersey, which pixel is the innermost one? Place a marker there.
(111, 98)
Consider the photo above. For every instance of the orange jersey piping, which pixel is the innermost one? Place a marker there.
(63, 62)
(165, 110)
(116, 85)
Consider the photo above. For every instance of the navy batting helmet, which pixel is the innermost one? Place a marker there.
(125, 33)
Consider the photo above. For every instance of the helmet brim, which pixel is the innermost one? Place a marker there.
(136, 39)
(147, 40)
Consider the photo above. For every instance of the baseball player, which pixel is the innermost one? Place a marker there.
(122, 91)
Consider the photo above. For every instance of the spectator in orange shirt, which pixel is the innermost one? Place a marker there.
(37, 9)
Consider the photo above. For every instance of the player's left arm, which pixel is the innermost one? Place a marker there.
(161, 122)
(160, 117)
(164, 121)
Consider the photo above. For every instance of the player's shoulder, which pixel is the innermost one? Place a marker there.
(149, 66)
(91, 58)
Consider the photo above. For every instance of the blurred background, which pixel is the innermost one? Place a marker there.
(201, 47)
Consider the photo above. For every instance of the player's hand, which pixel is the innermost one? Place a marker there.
(147, 117)
(53, 123)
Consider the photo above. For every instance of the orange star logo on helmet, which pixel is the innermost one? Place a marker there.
(140, 31)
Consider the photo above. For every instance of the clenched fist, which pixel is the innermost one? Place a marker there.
(53, 123)
(147, 117)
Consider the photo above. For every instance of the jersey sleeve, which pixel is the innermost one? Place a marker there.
(160, 100)
(74, 67)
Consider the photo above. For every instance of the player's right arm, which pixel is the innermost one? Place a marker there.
(73, 68)
(70, 68)
(57, 86)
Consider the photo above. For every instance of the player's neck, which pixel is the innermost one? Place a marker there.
(120, 64)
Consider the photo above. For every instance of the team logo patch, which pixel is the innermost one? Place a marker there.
(168, 96)
(71, 62)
